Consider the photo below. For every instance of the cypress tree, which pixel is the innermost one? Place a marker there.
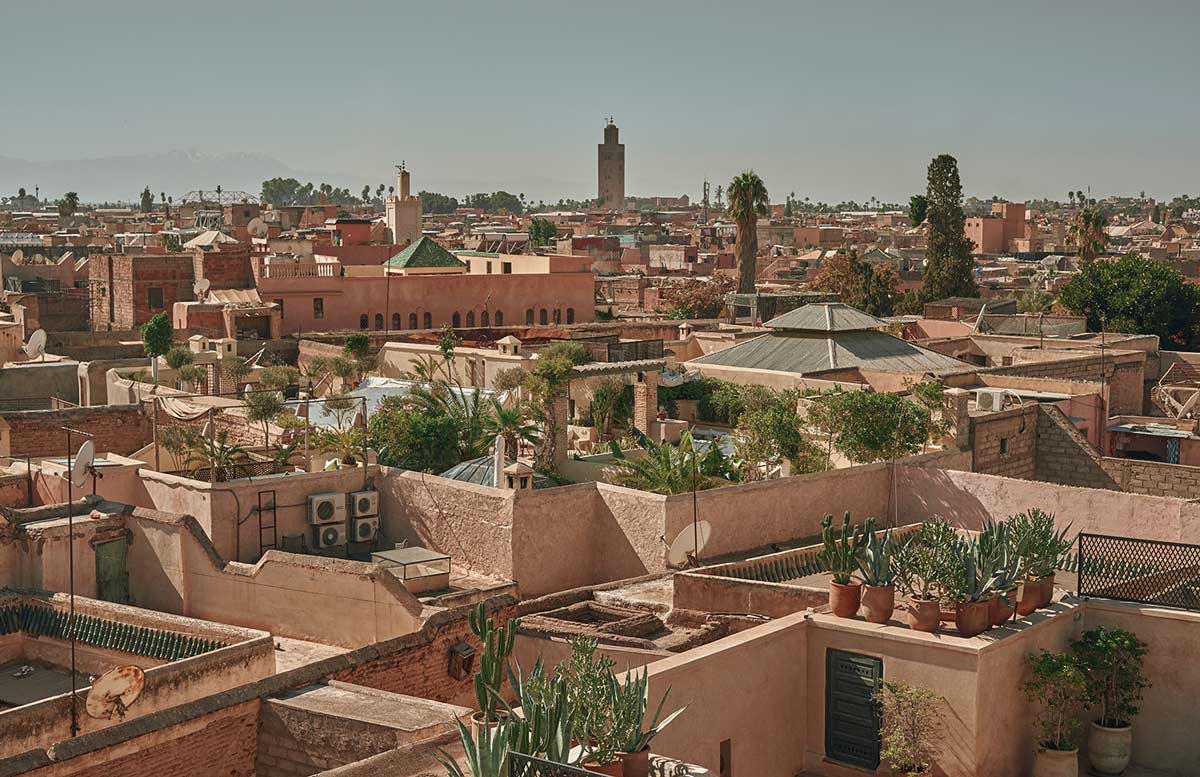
(948, 262)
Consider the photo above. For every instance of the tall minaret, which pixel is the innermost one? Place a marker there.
(404, 210)
(611, 169)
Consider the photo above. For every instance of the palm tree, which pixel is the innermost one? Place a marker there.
(747, 201)
(511, 424)
(222, 457)
(1086, 230)
(667, 469)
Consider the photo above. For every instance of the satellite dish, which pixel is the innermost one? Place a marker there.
(37, 344)
(83, 464)
(39, 259)
(688, 544)
(257, 227)
(200, 287)
(115, 691)
(18, 256)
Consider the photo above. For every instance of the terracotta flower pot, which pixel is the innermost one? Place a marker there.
(1029, 596)
(972, 618)
(879, 602)
(614, 769)
(1056, 763)
(844, 599)
(636, 764)
(923, 615)
(1109, 748)
(1047, 591)
(1002, 610)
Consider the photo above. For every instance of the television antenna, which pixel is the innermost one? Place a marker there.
(200, 288)
(115, 691)
(36, 347)
(688, 543)
(257, 227)
(82, 466)
(18, 256)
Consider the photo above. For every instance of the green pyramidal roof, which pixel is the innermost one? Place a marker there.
(425, 253)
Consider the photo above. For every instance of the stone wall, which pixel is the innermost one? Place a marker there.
(1005, 443)
(120, 429)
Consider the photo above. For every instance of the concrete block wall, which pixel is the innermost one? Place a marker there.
(1064, 455)
(1005, 443)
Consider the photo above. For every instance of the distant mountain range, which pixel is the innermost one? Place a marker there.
(122, 178)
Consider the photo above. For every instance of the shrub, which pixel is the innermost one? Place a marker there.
(1057, 686)
(1111, 662)
(912, 719)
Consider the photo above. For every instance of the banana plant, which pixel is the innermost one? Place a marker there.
(493, 660)
(840, 557)
(875, 563)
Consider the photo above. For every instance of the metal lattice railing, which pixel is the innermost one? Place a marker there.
(1134, 570)
(521, 765)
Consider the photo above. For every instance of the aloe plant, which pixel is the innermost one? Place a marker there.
(1044, 549)
(547, 712)
(630, 699)
(493, 660)
(486, 751)
(876, 562)
(840, 557)
(977, 578)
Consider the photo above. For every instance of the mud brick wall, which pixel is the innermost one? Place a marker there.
(120, 429)
(1006, 443)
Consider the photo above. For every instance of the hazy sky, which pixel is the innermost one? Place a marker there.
(831, 100)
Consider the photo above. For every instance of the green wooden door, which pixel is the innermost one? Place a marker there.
(112, 578)
(851, 714)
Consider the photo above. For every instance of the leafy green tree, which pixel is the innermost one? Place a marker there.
(1137, 295)
(157, 335)
(948, 261)
(178, 356)
(917, 207)
(432, 202)
(864, 285)
(748, 200)
(147, 200)
(1034, 299)
(287, 191)
(698, 299)
(278, 377)
(869, 426)
(607, 396)
(542, 232)
(263, 407)
(1086, 231)
(193, 375)
(236, 369)
(551, 373)
(768, 433)
(411, 438)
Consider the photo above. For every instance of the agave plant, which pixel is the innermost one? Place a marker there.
(1043, 548)
(977, 578)
(630, 699)
(876, 563)
(840, 557)
(486, 750)
(547, 712)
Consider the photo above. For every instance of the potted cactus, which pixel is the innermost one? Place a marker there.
(875, 565)
(1003, 552)
(1056, 686)
(493, 662)
(922, 564)
(840, 558)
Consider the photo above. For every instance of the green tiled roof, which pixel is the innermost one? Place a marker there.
(424, 253)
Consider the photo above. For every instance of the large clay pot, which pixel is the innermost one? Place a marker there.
(845, 599)
(1003, 610)
(1056, 763)
(1047, 591)
(1109, 749)
(972, 618)
(614, 769)
(879, 601)
(1029, 596)
(636, 764)
(923, 615)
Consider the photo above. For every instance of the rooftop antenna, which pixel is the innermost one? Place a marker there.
(36, 347)
(200, 288)
(77, 469)
(115, 691)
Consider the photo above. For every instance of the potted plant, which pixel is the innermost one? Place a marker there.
(587, 676)
(911, 719)
(921, 564)
(546, 712)
(485, 750)
(840, 558)
(492, 662)
(1042, 551)
(630, 700)
(1056, 686)
(878, 576)
(1111, 662)
(974, 586)
(996, 543)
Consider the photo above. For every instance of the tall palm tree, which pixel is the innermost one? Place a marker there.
(511, 424)
(1086, 230)
(747, 201)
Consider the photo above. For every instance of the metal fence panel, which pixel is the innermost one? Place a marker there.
(1136, 570)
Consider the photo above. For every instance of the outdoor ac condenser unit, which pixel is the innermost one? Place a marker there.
(326, 508)
(330, 535)
(364, 504)
(364, 529)
(989, 400)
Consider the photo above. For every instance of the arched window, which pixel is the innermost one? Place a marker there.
(499, 318)
(483, 318)
(529, 317)
(542, 319)
(395, 321)
(470, 318)
(570, 315)
(558, 315)
(362, 321)
(412, 320)
(456, 320)
(429, 321)
(379, 321)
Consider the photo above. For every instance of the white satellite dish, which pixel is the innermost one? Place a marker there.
(115, 691)
(37, 344)
(18, 256)
(39, 258)
(257, 227)
(200, 287)
(688, 543)
(82, 465)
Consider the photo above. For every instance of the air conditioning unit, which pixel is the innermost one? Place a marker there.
(329, 535)
(364, 529)
(326, 508)
(989, 400)
(364, 503)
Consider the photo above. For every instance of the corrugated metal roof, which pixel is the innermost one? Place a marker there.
(826, 317)
(809, 353)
